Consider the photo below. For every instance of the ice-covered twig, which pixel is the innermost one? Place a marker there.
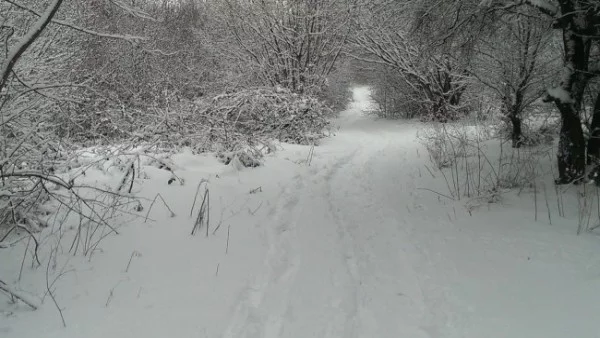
(15, 53)
(18, 295)
(152, 204)
(128, 38)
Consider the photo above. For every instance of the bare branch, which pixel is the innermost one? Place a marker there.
(129, 38)
(20, 296)
(17, 51)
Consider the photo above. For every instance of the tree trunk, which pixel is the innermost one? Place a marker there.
(593, 147)
(514, 115)
(517, 130)
(571, 147)
(568, 99)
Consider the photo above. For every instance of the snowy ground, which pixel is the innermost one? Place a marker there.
(347, 245)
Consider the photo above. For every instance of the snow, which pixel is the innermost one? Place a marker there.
(545, 5)
(343, 245)
(560, 94)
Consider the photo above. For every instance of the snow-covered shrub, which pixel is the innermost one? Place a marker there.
(38, 185)
(244, 120)
(447, 143)
(266, 113)
(476, 164)
(538, 129)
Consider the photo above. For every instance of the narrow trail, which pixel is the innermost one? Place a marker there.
(339, 262)
(358, 250)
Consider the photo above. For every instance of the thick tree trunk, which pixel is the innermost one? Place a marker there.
(593, 147)
(571, 147)
(568, 98)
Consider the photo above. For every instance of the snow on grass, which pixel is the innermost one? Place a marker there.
(339, 240)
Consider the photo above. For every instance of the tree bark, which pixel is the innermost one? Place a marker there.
(517, 130)
(593, 147)
(571, 146)
(576, 42)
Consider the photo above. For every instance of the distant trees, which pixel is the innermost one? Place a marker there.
(437, 49)
(292, 44)
(515, 61)
(426, 50)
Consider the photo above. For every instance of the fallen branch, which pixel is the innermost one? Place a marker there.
(18, 295)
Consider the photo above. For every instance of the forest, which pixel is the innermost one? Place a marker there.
(110, 84)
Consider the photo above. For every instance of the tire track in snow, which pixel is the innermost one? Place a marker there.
(340, 262)
(354, 186)
(438, 318)
(345, 322)
(255, 314)
(264, 309)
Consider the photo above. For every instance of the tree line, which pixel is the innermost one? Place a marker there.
(75, 73)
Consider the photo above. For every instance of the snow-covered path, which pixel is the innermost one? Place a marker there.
(338, 263)
(345, 247)
(357, 250)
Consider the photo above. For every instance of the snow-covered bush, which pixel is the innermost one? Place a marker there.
(476, 163)
(538, 129)
(265, 113)
(244, 120)
(37, 188)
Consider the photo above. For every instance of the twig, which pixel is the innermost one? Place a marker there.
(227, 247)
(438, 193)
(18, 295)
(203, 214)
(548, 206)
(255, 190)
(134, 253)
(310, 156)
(24, 256)
(152, 204)
(255, 210)
(430, 172)
(111, 294)
(50, 291)
(196, 195)
(535, 199)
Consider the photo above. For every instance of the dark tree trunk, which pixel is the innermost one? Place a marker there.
(571, 146)
(568, 99)
(593, 147)
(517, 131)
(514, 114)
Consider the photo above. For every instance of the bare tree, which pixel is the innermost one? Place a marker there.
(579, 23)
(292, 44)
(515, 62)
(425, 46)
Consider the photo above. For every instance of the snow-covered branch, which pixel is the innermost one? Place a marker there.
(129, 38)
(15, 53)
(547, 7)
(18, 295)
(35, 174)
